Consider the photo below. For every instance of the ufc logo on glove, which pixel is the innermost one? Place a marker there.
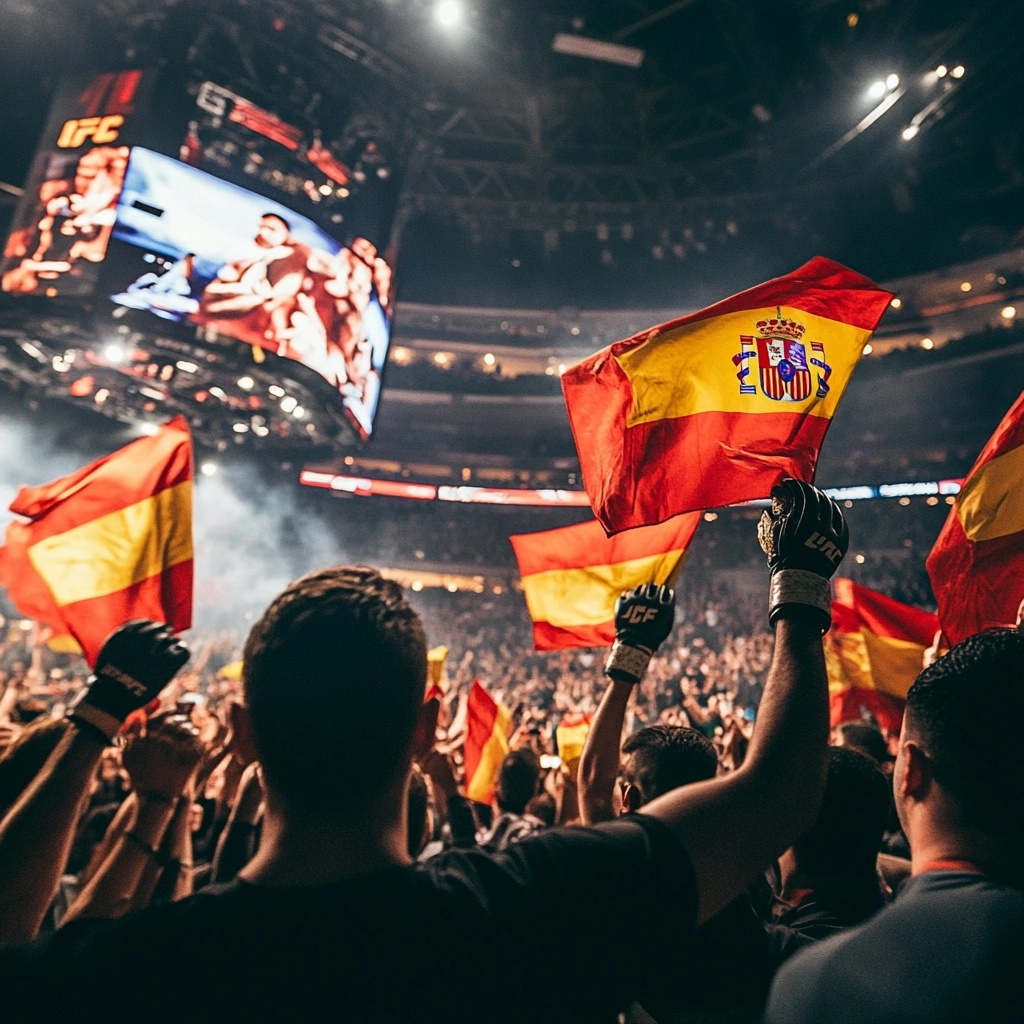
(825, 546)
(638, 614)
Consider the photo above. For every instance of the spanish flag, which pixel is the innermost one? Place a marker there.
(977, 564)
(570, 735)
(107, 544)
(717, 407)
(487, 727)
(572, 576)
(873, 652)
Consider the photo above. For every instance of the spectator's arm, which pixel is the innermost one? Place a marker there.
(123, 819)
(237, 843)
(161, 765)
(732, 826)
(36, 834)
(599, 763)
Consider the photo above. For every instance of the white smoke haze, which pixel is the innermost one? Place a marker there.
(252, 537)
(251, 541)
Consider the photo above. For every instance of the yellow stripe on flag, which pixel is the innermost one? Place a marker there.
(115, 551)
(586, 597)
(895, 664)
(991, 503)
(667, 385)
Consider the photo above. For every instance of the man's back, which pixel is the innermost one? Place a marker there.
(950, 948)
(537, 933)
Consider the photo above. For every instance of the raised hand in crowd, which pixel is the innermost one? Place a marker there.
(134, 665)
(161, 764)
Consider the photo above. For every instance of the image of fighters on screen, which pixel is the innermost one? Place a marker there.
(63, 236)
(327, 311)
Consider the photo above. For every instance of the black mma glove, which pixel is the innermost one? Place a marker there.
(643, 618)
(805, 538)
(135, 663)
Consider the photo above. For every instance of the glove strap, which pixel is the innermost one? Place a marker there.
(101, 721)
(627, 663)
(797, 586)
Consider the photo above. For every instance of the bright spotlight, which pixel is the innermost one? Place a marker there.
(246, 383)
(941, 71)
(1008, 312)
(897, 302)
(891, 82)
(958, 71)
(877, 90)
(208, 468)
(448, 13)
(927, 343)
(909, 132)
(114, 353)
(868, 349)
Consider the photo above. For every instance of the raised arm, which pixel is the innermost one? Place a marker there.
(643, 619)
(733, 825)
(134, 665)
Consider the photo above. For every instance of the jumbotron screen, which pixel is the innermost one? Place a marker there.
(104, 214)
(187, 246)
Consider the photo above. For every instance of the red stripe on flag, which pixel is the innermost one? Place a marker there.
(547, 637)
(849, 705)
(715, 453)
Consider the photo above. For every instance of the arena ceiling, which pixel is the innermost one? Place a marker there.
(730, 153)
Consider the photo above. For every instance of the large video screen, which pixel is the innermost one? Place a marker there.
(191, 247)
(63, 223)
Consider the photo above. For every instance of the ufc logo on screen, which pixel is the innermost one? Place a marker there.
(100, 129)
(637, 615)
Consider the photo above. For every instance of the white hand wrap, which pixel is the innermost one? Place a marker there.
(628, 662)
(797, 586)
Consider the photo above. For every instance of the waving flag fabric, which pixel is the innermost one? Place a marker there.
(487, 727)
(717, 407)
(107, 544)
(873, 653)
(572, 576)
(977, 564)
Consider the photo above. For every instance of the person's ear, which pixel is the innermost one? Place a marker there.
(917, 772)
(425, 733)
(632, 798)
(243, 745)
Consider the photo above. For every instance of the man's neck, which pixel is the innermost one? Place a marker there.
(930, 846)
(304, 850)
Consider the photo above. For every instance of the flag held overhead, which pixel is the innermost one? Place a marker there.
(572, 576)
(977, 564)
(718, 406)
(109, 543)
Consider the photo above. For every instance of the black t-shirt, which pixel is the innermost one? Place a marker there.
(950, 948)
(569, 925)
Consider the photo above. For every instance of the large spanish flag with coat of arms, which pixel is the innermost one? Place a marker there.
(107, 544)
(977, 564)
(572, 576)
(718, 406)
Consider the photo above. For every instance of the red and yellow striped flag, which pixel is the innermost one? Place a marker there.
(717, 407)
(487, 727)
(570, 735)
(572, 576)
(977, 564)
(873, 652)
(107, 544)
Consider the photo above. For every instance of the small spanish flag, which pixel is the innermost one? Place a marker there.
(107, 544)
(487, 727)
(873, 652)
(570, 735)
(718, 406)
(572, 576)
(977, 564)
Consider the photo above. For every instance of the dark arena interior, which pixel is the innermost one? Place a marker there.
(355, 249)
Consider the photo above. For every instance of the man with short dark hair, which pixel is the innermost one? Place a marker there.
(829, 876)
(517, 784)
(950, 947)
(332, 919)
(658, 758)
